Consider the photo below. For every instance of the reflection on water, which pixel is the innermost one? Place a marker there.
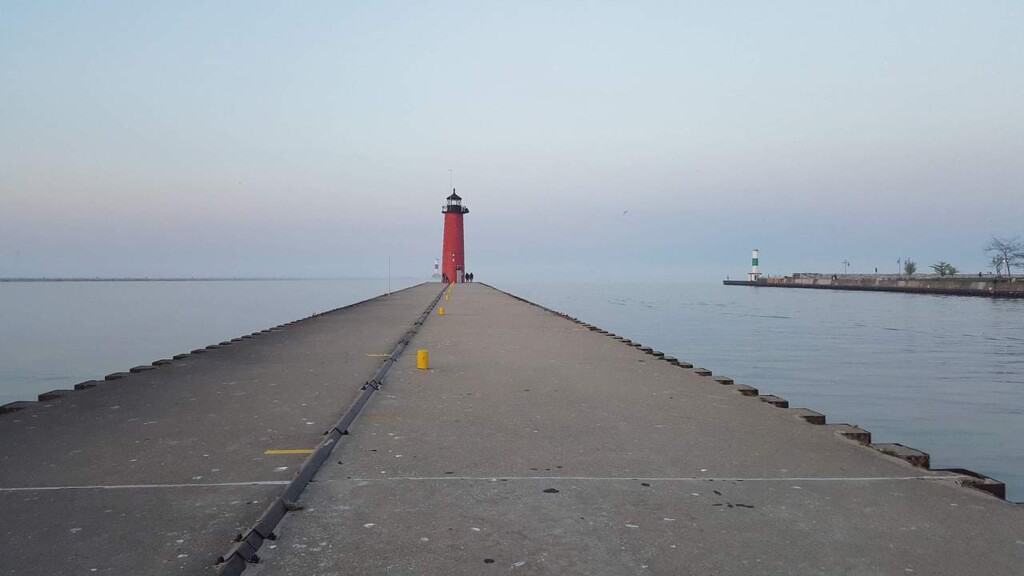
(944, 374)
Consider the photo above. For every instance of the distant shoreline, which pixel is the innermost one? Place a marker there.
(986, 286)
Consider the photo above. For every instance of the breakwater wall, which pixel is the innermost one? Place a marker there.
(988, 286)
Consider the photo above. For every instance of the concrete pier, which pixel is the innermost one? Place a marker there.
(533, 445)
(155, 472)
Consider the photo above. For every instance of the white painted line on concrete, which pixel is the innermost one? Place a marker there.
(144, 486)
(648, 479)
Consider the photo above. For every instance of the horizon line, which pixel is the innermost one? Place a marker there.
(188, 278)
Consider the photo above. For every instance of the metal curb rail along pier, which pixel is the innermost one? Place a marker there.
(247, 546)
(851, 432)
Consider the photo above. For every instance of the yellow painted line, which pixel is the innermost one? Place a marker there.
(283, 452)
(381, 415)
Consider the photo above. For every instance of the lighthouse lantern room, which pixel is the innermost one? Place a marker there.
(453, 251)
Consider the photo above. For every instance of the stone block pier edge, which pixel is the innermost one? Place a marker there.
(917, 458)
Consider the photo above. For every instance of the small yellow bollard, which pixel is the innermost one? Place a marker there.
(423, 359)
(446, 294)
(440, 311)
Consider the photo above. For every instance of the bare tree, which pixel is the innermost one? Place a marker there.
(1006, 253)
(997, 265)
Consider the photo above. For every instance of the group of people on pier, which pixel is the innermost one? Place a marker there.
(467, 277)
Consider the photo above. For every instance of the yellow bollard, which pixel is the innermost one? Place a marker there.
(423, 359)
(440, 311)
(446, 294)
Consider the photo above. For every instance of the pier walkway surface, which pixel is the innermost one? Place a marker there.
(533, 445)
(155, 472)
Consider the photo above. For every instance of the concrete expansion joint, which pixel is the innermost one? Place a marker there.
(243, 550)
(954, 475)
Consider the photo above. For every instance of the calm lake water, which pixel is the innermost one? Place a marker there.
(942, 374)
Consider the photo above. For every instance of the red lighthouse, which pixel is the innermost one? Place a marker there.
(453, 252)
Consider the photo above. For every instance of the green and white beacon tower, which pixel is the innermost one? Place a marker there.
(755, 272)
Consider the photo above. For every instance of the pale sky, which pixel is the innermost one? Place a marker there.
(626, 141)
